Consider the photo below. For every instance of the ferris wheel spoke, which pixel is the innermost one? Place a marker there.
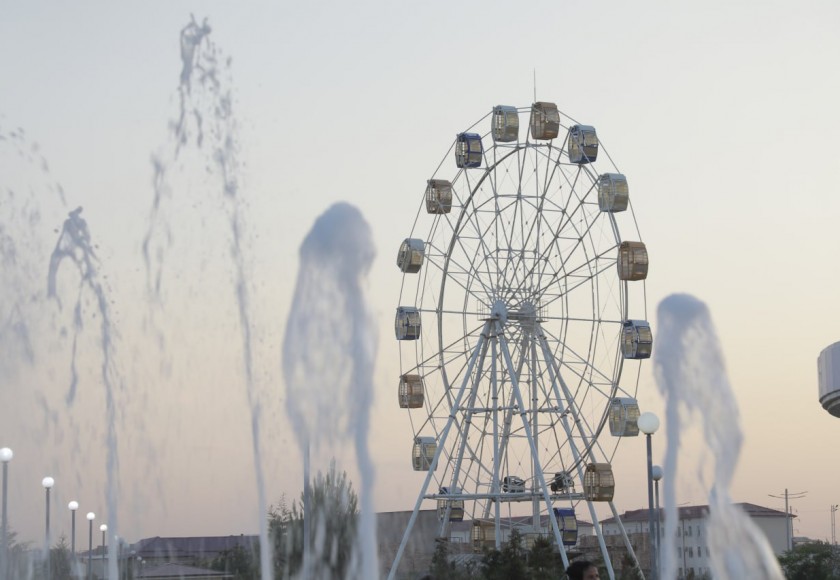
(581, 280)
(570, 353)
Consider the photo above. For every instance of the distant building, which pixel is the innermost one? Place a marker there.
(692, 546)
(193, 551)
(168, 557)
(172, 571)
(189, 557)
(417, 556)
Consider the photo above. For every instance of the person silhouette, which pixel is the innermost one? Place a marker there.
(583, 570)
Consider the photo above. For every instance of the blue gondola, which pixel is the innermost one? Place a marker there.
(468, 150)
(567, 522)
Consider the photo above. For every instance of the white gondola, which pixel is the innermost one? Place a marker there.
(598, 482)
(582, 144)
(411, 392)
(468, 150)
(411, 254)
(636, 339)
(438, 196)
(613, 192)
(407, 323)
(567, 522)
(632, 261)
(456, 506)
(505, 124)
(545, 120)
(624, 413)
(423, 453)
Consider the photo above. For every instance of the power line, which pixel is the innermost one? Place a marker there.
(787, 497)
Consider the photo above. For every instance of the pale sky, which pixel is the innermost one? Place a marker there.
(722, 114)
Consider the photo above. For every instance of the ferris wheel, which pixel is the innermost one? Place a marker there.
(522, 327)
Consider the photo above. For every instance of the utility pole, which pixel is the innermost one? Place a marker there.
(789, 527)
(833, 527)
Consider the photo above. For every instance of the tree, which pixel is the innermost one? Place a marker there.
(629, 570)
(239, 562)
(18, 563)
(333, 528)
(507, 563)
(544, 560)
(811, 561)
(60, 568)
(442, 568)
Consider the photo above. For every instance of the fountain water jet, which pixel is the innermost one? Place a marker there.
(328, 355)
(74, 245)
(691, 375)
(206, 119)
(35, 324)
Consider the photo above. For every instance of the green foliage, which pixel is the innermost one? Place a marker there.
(544, 562)
(332, 530)
(514, 562)
(18, 564)
(60, 560)
(239, 562)
(629, 570)
(812, 561)
(507, 563)
(442, 568)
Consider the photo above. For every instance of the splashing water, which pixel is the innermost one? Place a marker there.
(206, 119)
(34, 320)
(21, 279)
(74, 246)
(691, 375)
(328, 354)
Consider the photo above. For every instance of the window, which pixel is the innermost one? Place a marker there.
(690, 552)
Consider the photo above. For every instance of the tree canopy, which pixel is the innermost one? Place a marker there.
(333, 529)
(811, 561)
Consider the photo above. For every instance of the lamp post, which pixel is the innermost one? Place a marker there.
(103, 528)
(73, 506)
(648, 424)
(48, 482)
(90, 516)
(656, 473)
(6, 455)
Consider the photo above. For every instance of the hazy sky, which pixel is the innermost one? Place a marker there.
(722, 114)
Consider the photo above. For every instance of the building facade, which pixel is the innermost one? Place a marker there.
(693, 551)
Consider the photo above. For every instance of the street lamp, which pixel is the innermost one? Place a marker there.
(48, 482)
(103, 528)
(90, 516)
(6, 455)
(648, 424)
(656, 473)
(73, 506)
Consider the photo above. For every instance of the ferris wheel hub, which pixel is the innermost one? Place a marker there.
(499, 311)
